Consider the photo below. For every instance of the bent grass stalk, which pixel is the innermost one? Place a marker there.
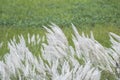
(58, 60)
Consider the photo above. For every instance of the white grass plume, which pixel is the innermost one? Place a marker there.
(57, 59)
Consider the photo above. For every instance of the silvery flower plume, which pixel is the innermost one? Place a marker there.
(60, 46)
(115, 40)
(4, 71)
(20, 62)
(91, 50)
(115, 52)
(86, 72)
(33, 39)
(57, 43)
(56, 59)
(74, 72)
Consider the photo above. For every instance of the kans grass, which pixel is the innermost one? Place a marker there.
(86, 59)
(74, 57)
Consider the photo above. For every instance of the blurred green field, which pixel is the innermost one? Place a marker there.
(35, 13)
(28, 16)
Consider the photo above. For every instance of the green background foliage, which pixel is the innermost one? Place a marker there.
(23, 13)
(28, 16)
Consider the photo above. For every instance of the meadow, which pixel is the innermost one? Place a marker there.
(20, 17)
(99, 16)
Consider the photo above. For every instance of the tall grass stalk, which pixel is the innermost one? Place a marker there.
(57, 59)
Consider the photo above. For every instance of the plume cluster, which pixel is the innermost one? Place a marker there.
(56, 59)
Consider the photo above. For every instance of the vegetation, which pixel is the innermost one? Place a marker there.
(56, 59)
(23, 17)
(35, 13)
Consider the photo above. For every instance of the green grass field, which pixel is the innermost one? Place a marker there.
(35, 13)
(28, 16)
